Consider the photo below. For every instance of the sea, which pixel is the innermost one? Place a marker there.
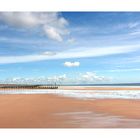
(85, 94)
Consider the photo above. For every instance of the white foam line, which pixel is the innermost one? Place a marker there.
(82, 94)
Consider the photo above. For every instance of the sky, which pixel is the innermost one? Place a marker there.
(70, 47)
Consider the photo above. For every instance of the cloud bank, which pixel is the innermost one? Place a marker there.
(82, 78)
(91, 77)
(50, 24)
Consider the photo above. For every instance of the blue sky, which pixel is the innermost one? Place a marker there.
(70, 47)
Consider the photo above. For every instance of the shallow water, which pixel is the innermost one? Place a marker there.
(82, 94)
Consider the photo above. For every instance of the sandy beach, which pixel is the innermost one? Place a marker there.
(54, 111)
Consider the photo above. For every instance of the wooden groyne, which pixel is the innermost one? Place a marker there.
(14, 86)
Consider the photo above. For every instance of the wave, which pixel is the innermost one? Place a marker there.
(82, 94)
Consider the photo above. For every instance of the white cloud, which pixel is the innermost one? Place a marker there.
(133, 24)
(50, 23)
(57, 79)
(81, 52)
(130, 25)
(72, 64)
(39, 80)
(91, 77)
(84, 78)
(124, 70)
(53, 34)
(136, 32)
(49, 53)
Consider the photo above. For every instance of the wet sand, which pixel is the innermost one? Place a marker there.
(52, 111)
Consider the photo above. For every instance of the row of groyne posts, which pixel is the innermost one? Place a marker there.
(19, 86)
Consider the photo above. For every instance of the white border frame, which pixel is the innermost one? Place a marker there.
(70, 5)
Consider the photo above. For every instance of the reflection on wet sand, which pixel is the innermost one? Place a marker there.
(98, 120)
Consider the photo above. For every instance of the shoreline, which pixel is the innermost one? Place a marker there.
(80, 88)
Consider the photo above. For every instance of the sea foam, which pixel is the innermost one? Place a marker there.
(81, 94)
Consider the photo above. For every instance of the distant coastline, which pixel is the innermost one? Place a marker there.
(113, 84)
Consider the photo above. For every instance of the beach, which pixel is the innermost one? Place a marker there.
(57, 111)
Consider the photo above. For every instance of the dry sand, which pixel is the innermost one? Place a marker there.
(52, 111)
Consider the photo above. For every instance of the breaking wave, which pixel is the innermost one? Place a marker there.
(82, 94)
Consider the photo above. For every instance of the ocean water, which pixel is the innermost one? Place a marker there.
(116, 84)
(80, 94)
